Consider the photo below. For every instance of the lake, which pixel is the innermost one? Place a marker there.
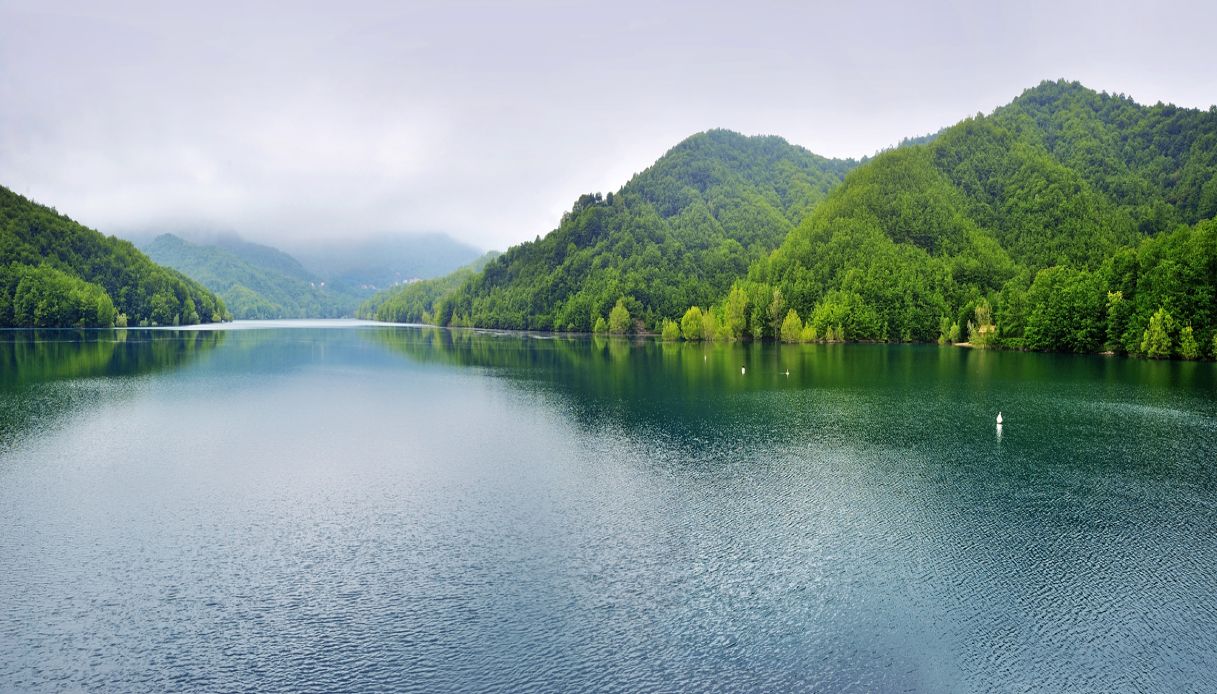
(336, 506)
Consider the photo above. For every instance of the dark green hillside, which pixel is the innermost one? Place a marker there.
(55, 272)
(1059, 222)
(415, 302)
(255, 281)
(676, 234)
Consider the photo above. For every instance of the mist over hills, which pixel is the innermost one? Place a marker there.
(258, 281)
(1067, 219)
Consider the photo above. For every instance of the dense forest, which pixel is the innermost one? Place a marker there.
(255, 281)
(677, 234)
(1067, 220)
(414, 302)
(55, 272)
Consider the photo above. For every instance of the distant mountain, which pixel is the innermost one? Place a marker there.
(677, 234)
(364, 266)
(414, 302)
(55, 272)
(255, 281)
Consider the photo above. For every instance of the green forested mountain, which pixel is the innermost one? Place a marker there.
(55, 272)
(414, 302)
(677, 234)
(255, 281)
(1065, 220)
(1059, 222)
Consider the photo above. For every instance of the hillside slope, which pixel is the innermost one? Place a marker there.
(255, 281)
(1050, 215)
(678, 233)
(55, 272)
(414, 302)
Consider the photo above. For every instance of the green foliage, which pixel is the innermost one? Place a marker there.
(948, 331)
(671, 330)
(792, 327)
(1056, 212)
(982, 332)
(735, 315)
(809, 333)
(711, 326)
(76, 276)
(619, 319)
(692, 324)
(1188, 347)
(1068, 311)
(44, 297)
(415, 302)
(601, 326)
(1156, 340)
(676, 235)
(778, 314)
(255, 282)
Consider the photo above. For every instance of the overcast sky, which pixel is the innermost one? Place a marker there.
(292, 120)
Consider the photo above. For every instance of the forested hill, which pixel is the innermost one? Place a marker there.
(676, 234)
(1066, 220)
(55, 272)
(414, 302)
(255, 281)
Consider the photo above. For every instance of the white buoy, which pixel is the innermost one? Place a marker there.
(741, 370)
(999, 418)
(787, 372)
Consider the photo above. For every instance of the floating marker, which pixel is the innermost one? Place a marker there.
(999, 419)
(741, 370)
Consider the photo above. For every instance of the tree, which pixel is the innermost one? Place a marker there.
(778, 315)
(1188, 348)
(692, 324)
(710, 327)
(735, 314)
(1118, 311)
(1156, 341)
(619, 319)
(600, 326)
(792, 327)
(808, 334)
(982, 331)
(671, 330)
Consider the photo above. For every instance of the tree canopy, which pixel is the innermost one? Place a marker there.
(55, 272)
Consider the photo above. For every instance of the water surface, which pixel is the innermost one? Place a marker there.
(344, 507)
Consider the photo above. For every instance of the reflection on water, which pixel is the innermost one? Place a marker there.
(32, 356)
(44, 372)
(384, 508)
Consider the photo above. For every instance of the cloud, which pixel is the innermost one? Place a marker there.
(485, 120)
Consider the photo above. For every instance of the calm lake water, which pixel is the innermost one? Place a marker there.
(355, 508)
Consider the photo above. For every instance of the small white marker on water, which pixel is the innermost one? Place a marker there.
(741, 370)
(999, 418)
